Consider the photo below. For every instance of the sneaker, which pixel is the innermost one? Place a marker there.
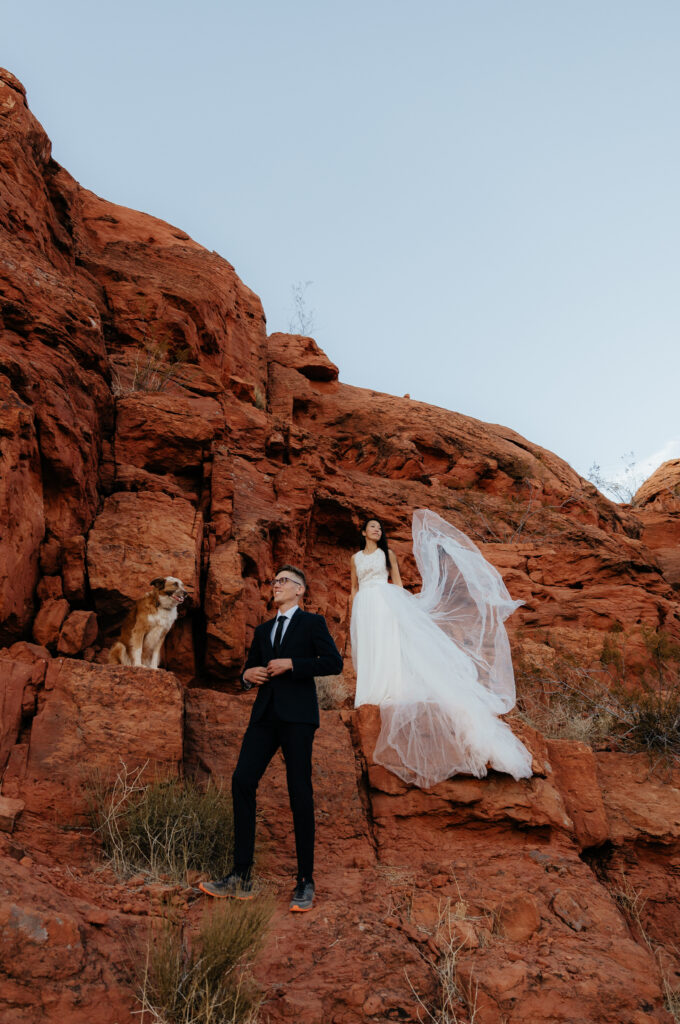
(233, 886)
(303, 897)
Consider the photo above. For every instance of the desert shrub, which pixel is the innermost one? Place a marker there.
(302, 320)
(155, 366)
(205, 981)
(622, 486)
(649, 719)
(563, 715)
(166, 827)
(560, 700)
(331, 691)
(500, 521)
(591, 704)
(662, 649)
(611, 653)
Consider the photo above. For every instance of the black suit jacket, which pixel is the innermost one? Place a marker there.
(310, 646)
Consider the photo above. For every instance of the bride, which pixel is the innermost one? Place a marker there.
(438, 663)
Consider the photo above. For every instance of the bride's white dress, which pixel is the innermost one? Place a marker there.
(438, 663)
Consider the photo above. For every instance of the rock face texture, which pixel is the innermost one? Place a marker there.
(149, 427)
(657, 504)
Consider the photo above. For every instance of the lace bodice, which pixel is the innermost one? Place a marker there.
(371, 569)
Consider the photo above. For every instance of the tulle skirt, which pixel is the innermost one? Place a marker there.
(437, 718)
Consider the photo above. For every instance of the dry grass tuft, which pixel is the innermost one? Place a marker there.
(560, 713)
(167, 827)
(650, 720)
(594, 703)
(206, 981)
(672, 999)
(332, 692)
(631, 903)
(453, 1004)
(153, 369)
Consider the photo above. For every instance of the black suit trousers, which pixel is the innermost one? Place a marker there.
(261, 741)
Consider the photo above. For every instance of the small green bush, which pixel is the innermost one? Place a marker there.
(649, 720)
(166, 827)
(206, 981)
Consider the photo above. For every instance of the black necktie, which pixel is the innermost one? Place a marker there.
(279, 635)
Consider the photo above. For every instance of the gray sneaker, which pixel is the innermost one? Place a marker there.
(303, 897)
(232, 887)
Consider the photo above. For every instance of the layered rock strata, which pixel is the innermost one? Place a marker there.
(148, 426)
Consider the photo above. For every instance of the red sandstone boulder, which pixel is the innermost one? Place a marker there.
(640, 804)
(153, 274)
(167, 433)
(94, 718)
(302, 354)
(23, 651)
(9, 812)
(662, 489)
(136, 538)
(50, 587)
(519, 917)
(49, 620)
(575, 768)
(78, 633)
(225, 611)
(50, 562)
(58, 964)
(657, 506)
(73, 568)
(16, 678)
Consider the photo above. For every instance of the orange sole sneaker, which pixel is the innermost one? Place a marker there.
(211, 889)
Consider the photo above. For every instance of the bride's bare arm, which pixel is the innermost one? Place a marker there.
(394, 570)
(355, 581)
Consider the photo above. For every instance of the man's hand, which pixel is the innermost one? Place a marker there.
(256, 676)
(277, 666)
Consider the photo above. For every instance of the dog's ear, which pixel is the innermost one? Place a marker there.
(158, 583)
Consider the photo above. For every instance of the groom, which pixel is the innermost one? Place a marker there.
(286, 654)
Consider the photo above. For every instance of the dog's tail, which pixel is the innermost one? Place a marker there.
(118, 655)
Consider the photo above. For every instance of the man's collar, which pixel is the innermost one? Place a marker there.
(289, 614)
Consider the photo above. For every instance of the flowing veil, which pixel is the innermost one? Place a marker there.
(467, 598)
(454, 667)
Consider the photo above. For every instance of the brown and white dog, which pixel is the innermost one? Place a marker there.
(148, 623)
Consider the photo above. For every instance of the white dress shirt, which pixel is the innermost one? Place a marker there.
(283, 615)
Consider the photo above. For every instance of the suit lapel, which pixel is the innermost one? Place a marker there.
(267, 630)
(290, 629)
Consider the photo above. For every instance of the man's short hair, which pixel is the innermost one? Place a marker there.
(296, 571)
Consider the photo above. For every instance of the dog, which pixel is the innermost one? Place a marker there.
(148, 623)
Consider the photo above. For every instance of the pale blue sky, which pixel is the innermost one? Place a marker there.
(483, 193)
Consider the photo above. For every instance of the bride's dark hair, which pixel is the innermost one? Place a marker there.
(382, 543)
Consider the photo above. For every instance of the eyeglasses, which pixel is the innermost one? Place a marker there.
(280, 580)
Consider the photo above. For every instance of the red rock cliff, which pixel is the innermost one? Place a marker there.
(253, 452)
